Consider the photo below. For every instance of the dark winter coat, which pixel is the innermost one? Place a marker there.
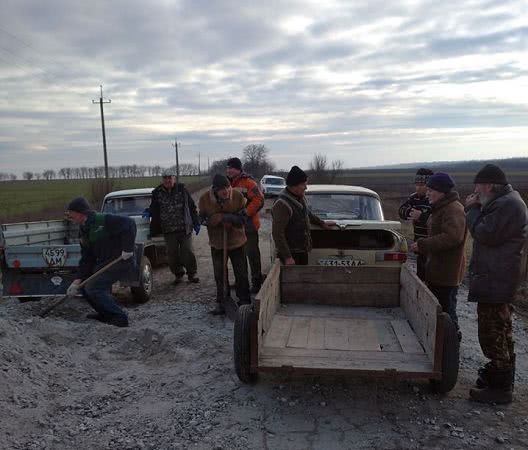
(103, 238)
(181, 220)
(420, 203)
(444, 248)
(499, 231)
(291, 225)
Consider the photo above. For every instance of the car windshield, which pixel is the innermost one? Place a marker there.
(127, 206)
(344, 206)
(275, 181)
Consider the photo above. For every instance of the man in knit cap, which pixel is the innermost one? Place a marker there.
(497, 220)
(444, 247)
(418, 209)
(245, 184)
(291, 220)
(103, 238)
(222, 207)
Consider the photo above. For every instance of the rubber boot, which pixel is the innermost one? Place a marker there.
(219, 310)
(499, 390)
(482, 379)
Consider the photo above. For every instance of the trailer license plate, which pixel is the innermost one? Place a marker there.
(342, 262)
(54, 256)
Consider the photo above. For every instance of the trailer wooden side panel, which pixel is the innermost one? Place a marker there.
(421, 309)
(267, 302)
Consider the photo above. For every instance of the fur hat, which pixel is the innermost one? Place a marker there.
(80, 205)
(296, 176)
(234, 163)
(491, 174)
(441, 182)
(220, 182)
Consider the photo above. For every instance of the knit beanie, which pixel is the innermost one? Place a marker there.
(441, 182)
(234, 163)
(422, 175)
(220, 182)
(491, 174)
(296, 176)
(80, 205)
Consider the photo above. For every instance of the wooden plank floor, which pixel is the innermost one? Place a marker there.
(326, 337)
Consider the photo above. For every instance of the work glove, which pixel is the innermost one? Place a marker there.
(197, 228)
(146, 214)
(73, 289)
(126, 255)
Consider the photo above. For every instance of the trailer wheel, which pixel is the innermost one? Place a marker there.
(141, 293)
(242, 344)
(450, 358)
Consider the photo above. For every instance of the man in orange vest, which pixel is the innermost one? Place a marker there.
(244, 183)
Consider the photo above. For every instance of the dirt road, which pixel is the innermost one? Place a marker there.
(167, 382)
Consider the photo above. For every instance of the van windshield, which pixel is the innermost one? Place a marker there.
(275, 181)
(345, 206)
(127, 206)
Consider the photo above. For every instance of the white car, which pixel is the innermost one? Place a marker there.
(272, 185)
(361, 236)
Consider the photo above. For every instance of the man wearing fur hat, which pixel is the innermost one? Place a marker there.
(103, 238)
(444, 247)
(245, 184)
(291, 220)
(222, 207)
(497, 220)
(418, 209)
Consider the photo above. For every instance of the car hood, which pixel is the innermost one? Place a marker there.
(368, 225)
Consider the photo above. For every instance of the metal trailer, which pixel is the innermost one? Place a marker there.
(40, 259)
(373, 321)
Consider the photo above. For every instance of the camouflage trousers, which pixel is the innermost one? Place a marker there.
(495, 333)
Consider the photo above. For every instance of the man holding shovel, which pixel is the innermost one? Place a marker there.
(222, 210)
(104, 238)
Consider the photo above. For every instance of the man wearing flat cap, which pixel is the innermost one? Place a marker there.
(291, 219)
(444, 247)
(103, 238)
(418, 209)
(223, 208)
(497, 220)
(174, 214)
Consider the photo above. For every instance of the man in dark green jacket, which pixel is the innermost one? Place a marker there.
(498, 222)
(292, 219)
(104, 237)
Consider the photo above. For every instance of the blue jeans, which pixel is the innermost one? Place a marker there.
(447, 297)
(99, 293)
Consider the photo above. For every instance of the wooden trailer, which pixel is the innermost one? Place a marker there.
(380, 321)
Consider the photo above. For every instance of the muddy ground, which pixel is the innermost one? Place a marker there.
(167, 382)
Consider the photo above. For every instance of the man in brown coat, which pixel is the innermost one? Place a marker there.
(444, 246)
(223, 207)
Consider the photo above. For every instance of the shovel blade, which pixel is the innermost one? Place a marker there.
(230, 306)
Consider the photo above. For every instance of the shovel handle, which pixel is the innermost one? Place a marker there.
(49, 308)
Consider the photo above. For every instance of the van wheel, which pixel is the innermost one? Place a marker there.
(141, 293)
(450, 358)
(242, 344)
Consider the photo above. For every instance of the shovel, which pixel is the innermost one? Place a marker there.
(230, 305)
(51, 307)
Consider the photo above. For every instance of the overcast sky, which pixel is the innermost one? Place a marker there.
(369, 82)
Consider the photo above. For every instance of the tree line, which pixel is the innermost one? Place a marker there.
(255, 161)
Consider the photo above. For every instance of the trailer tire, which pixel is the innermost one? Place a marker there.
(450, 358)
(242, 344)
(141, 293)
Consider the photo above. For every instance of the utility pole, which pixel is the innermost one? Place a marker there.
(208, 165)
(175, 145)
(101, 101)
(199, 171)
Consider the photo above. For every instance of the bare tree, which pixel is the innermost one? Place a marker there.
(337, 166)
(48, 174)
(318, 168)
(27, 176)
(218, 166)
(255, 158)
